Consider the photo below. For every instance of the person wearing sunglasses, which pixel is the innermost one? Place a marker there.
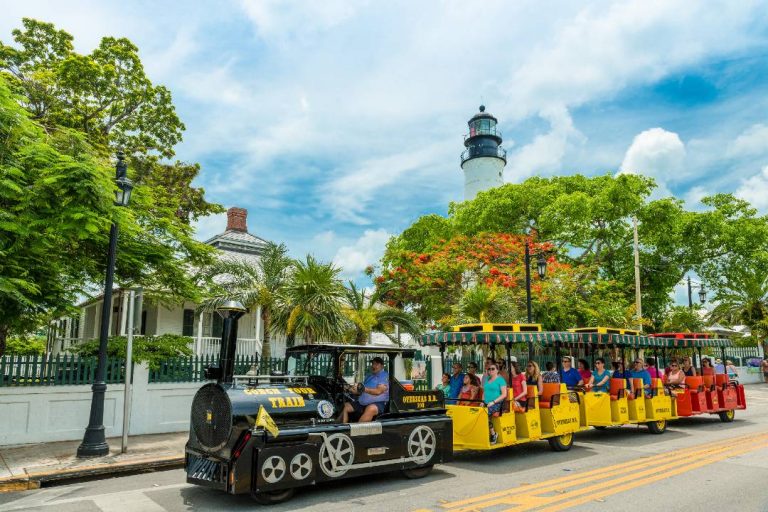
(533, 376)
(639, 372)
(676, 375)
(569, 375)
(601, 376)
(494, 394)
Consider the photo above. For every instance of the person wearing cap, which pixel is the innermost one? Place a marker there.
(719, 367)
(639, 372)
(374, 397)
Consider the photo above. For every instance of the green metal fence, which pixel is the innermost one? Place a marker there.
(61, 370)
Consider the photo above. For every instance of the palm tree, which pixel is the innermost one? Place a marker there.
(368, 313)
(744, 300)
(253, 284)
(310, 303)
(486, 304)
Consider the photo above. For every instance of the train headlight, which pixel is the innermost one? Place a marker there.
(325, 409)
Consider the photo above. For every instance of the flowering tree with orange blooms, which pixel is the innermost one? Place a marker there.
(444, 284)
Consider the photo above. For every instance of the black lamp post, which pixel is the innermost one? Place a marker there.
(541, 269)
(230, 312)
(702, 292)
(94, 443)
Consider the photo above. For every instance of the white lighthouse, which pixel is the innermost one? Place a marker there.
(484, 159)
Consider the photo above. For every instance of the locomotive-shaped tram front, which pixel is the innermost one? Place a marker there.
(267, 435)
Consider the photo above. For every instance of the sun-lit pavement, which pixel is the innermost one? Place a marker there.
(699, 464)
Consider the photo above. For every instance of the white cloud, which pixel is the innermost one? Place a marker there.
(286, 19)
(694, 196)
(753, 141)
(366, 250)
(755, 190)
(210, 226)
(656, 153)
(545, 154)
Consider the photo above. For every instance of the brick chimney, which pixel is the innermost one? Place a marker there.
(236, 219)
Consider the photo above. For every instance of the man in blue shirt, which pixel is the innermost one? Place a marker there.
(457, 381)
(639, 372)
(570, 376)
(374, 396)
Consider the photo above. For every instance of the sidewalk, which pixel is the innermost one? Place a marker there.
(26, 467)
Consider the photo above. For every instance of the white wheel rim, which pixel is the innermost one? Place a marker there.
(422, 444)
(337, 455)
(301, 466)
(273, 469)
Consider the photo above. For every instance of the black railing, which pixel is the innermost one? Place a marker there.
(479, 151)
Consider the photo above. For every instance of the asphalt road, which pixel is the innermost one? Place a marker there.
(699, 464)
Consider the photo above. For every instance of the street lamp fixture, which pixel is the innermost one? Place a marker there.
(94, 442)
(702, 294)
(541, 266)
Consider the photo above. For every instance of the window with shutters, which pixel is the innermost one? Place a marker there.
(188, 327)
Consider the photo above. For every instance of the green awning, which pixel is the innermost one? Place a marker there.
(566, 339)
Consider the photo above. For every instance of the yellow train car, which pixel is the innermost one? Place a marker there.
(605, 330)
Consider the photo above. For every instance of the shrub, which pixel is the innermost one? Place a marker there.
(152, 350)
(25, 345)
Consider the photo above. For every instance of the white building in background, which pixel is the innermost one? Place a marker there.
(203, 329)
(484, 159)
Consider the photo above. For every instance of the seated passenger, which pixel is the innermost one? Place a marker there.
(639, 372)
(733, 373)
(519, 387)
(494, 394)
(676, 376)
(719, 366)
(533, 376)
(586, 374)
(601, 376)
(470, 391)
(688, 368)
(652, 370)
(550, 376)
(457, 377)
(374, 397)
(472, 368)
(570, 376)
(445, 385)
(706, 367)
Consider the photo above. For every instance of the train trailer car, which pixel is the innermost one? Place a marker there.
(266, 435)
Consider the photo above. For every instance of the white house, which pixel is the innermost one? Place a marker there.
(203, 329)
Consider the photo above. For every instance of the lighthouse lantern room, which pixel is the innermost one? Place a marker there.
(484, 159)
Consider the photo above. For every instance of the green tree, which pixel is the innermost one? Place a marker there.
(257, 284)
(106, 94)
(483, 303)
(743, 300)
(367, 312)
(311, 302)
(55, 203)
(682, 319)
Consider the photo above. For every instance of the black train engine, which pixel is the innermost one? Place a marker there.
(267, 435)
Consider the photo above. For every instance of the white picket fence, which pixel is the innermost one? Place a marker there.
(204, 346)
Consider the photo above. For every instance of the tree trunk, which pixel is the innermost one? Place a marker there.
(3, 338)
(266, 320)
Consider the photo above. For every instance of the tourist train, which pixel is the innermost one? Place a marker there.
(266, 435)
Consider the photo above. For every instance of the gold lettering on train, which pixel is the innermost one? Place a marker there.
(288, 401)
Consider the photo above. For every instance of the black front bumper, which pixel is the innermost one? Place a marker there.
(206, 471)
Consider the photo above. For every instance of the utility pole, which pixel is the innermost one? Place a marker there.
(638, 301)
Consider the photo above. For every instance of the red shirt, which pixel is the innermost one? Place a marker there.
(517, 384)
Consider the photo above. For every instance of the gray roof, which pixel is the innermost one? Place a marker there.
(238, 241)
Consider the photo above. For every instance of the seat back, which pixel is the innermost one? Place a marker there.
(709, 381)
(550, 389)
(637, 384)
(618, 387)
(721, 379)
(694, 382)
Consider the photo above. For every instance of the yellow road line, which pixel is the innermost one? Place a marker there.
(530, 499)
(503, 497)
(649, 480)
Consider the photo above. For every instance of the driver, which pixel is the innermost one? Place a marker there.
(373, 397)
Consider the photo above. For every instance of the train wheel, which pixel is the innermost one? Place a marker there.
(561, 443)
(727, 416)
(415, 473)
(272, 497)
(657, 427)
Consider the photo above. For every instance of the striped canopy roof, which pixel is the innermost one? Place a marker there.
(550, 338)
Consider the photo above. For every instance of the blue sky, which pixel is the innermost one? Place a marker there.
(337, 124)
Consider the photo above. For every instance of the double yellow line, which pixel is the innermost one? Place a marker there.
(576, 489)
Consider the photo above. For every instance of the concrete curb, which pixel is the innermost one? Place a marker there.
(34, 479)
